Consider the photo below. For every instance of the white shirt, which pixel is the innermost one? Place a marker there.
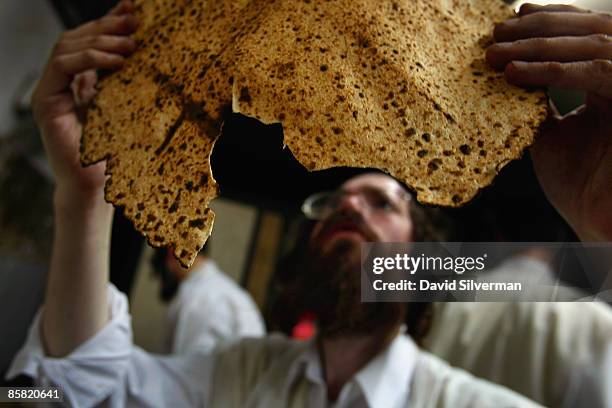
(264, 373)
(556, 353)
(209, 309)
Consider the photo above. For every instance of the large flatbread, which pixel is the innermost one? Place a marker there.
(401, 86)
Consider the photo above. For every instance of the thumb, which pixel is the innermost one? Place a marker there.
(83, 87)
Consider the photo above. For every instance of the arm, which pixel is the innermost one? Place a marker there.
(567, 47)
(75, 306)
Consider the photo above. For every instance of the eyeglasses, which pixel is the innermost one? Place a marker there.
(320, 205)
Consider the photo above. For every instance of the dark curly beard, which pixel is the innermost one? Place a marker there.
(331, 286)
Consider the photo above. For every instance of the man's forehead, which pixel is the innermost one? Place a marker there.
(377, 181)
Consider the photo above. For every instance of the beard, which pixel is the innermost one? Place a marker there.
(330, 285)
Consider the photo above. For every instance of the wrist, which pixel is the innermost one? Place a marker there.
(73, 203)
(594, 232)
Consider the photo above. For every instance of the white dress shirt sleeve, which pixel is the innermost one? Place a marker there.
(556, 353)
(109, 369)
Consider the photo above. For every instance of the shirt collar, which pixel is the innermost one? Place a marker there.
(307, 364)
(384, 381)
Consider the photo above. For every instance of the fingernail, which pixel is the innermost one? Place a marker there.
(506, 24)
(512, 71)
(131, 43)
(524, 8)
(121, 7)
(500, 30)
(518, 64)
(131, 20)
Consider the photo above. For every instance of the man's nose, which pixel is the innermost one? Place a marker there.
(350, 203)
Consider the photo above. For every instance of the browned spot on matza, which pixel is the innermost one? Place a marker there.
(397, 85)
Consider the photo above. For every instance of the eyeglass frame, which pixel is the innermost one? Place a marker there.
(307, 205)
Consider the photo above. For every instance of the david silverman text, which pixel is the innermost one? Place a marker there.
(462, 284)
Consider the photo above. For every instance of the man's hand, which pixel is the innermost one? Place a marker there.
(566, 47)
(67, 84)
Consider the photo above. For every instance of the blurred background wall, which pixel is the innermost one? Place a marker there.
(27, 33)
